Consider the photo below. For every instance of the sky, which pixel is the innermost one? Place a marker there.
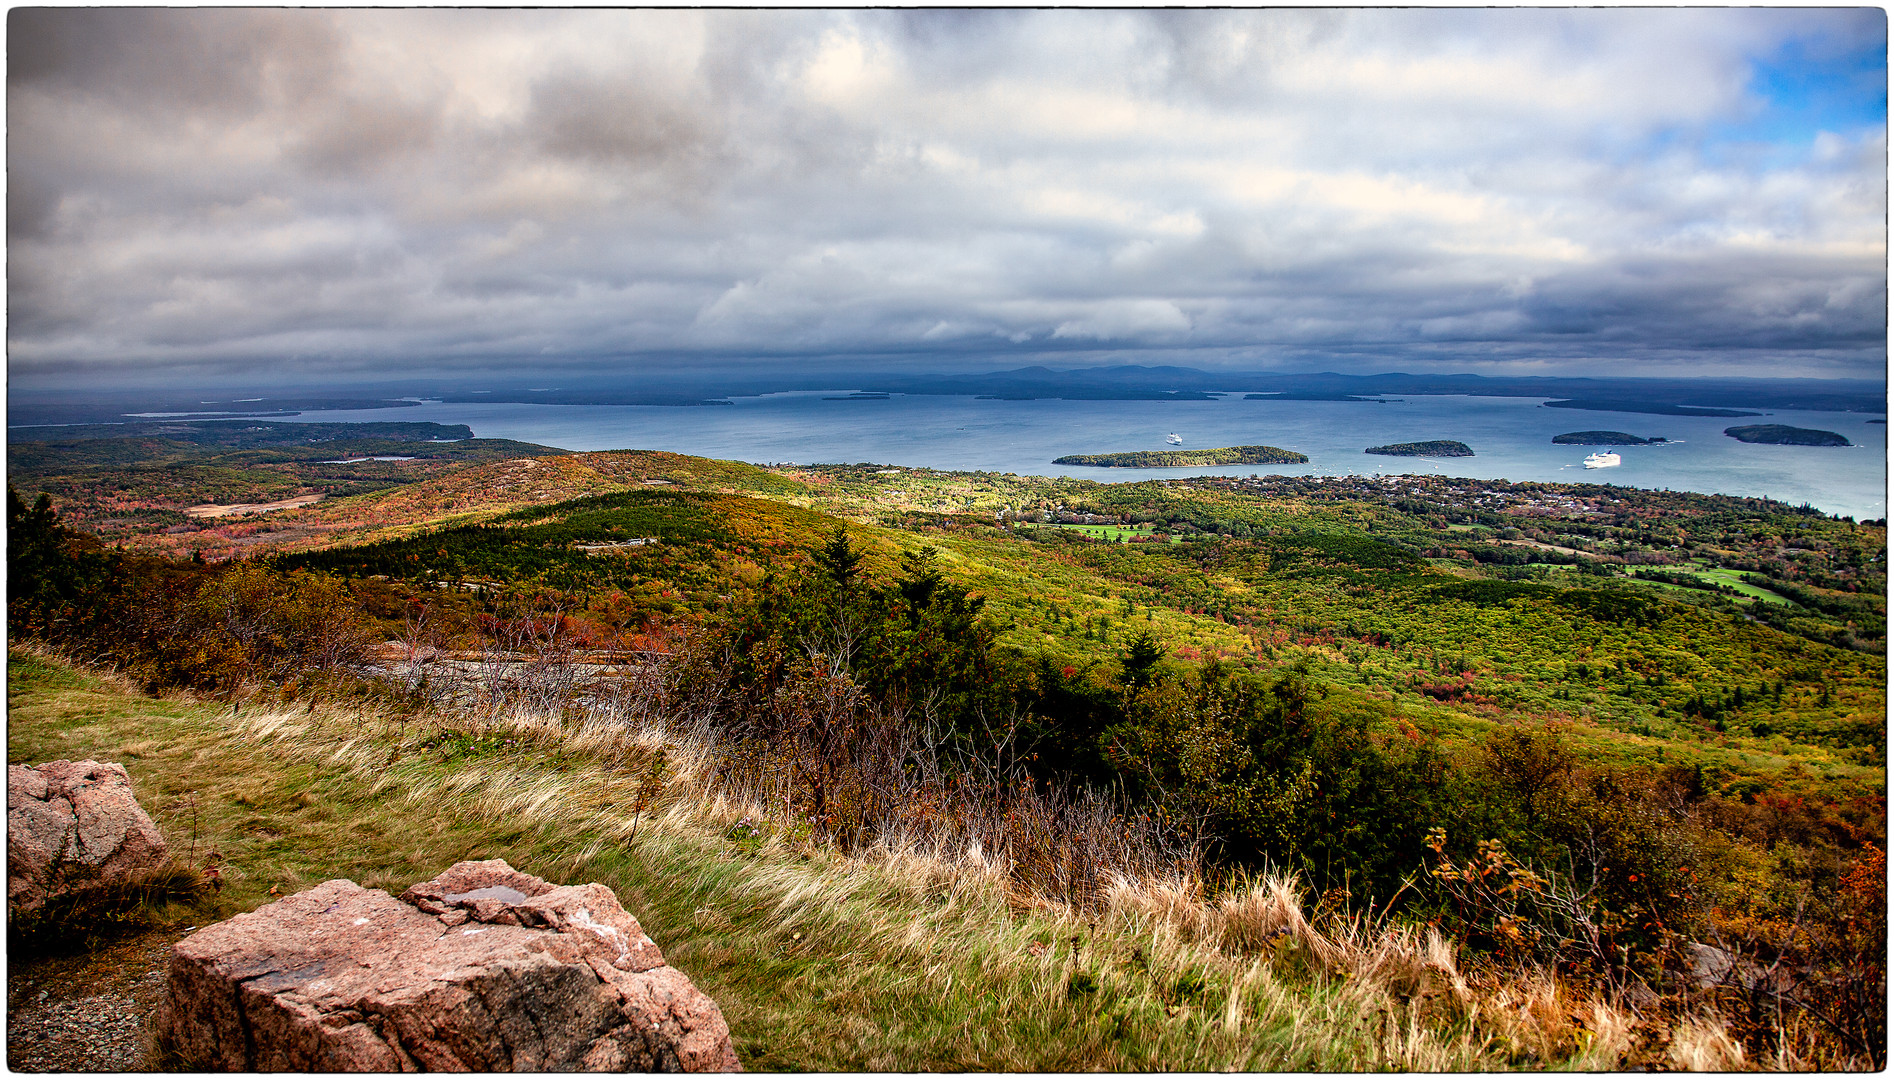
(302, 194)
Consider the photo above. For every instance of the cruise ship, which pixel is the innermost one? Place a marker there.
(1174, 439)
(1603, 461)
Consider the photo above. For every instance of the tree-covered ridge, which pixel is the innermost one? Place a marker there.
(1158, 459)
(702, 539)
(130, 481)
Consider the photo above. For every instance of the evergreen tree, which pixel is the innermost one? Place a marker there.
(1140, 658)
(839, 559)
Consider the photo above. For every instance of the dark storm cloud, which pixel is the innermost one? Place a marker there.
(209, 63)
(314, 191)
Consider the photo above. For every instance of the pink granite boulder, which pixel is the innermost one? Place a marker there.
(483, 969)
(73, 826)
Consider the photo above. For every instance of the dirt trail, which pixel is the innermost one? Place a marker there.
(86, 1012)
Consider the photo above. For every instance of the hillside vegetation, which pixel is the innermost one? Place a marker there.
(1369, 709)
(908, 958)
(133, 481)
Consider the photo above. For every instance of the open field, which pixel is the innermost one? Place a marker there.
(1115, 533)
(1731, 579)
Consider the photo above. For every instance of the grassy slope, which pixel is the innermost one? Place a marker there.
(1380, 628)
(819, 962)
(1377, 629)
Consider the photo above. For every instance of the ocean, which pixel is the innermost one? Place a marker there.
(1510, 438)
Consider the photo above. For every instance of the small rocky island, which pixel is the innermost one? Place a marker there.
(1784, 435)
(1434, 448)
(1171, 459)
(1605, 438)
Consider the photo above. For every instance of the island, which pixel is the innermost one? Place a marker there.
(1605, 438)
(1435, 448)
(1784, 435)
(1171, 459)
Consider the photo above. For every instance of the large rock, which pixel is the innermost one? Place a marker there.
(483, 969)
(74, 825)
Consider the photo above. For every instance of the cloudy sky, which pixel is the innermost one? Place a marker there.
(313, 193)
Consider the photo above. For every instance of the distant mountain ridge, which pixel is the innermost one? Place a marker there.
(1626, 394)
(1673, 396)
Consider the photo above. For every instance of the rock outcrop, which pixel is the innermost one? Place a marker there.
(71, 826)
(483, 969)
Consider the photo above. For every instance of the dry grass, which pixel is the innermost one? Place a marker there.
(917, 952)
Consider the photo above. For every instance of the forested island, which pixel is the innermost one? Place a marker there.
(1170, 459)
(1784, 435)
(1605, 438)
(1432, 448)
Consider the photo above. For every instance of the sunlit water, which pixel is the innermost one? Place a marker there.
(1510, 437)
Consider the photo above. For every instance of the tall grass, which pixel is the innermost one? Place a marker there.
(921, 946)
(1270, 982)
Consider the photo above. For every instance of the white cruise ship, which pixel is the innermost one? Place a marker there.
(1174, 439)
(1604, 460)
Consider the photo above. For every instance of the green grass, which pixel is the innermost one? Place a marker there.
(1734, 579)
(1714, 576)
(1114, 533)
(903, 961)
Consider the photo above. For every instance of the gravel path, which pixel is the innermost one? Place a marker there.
(86, 1013)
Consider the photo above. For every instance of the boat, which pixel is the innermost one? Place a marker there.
(1603, 461)
(1174, 439)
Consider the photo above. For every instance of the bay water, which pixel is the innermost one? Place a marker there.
(1511, 438)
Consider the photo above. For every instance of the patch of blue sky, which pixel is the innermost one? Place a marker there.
(1810, 84)
(1805, 90)
(1807, 86)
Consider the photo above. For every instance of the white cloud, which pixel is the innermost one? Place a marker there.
(434, 185)
(1126, 319)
